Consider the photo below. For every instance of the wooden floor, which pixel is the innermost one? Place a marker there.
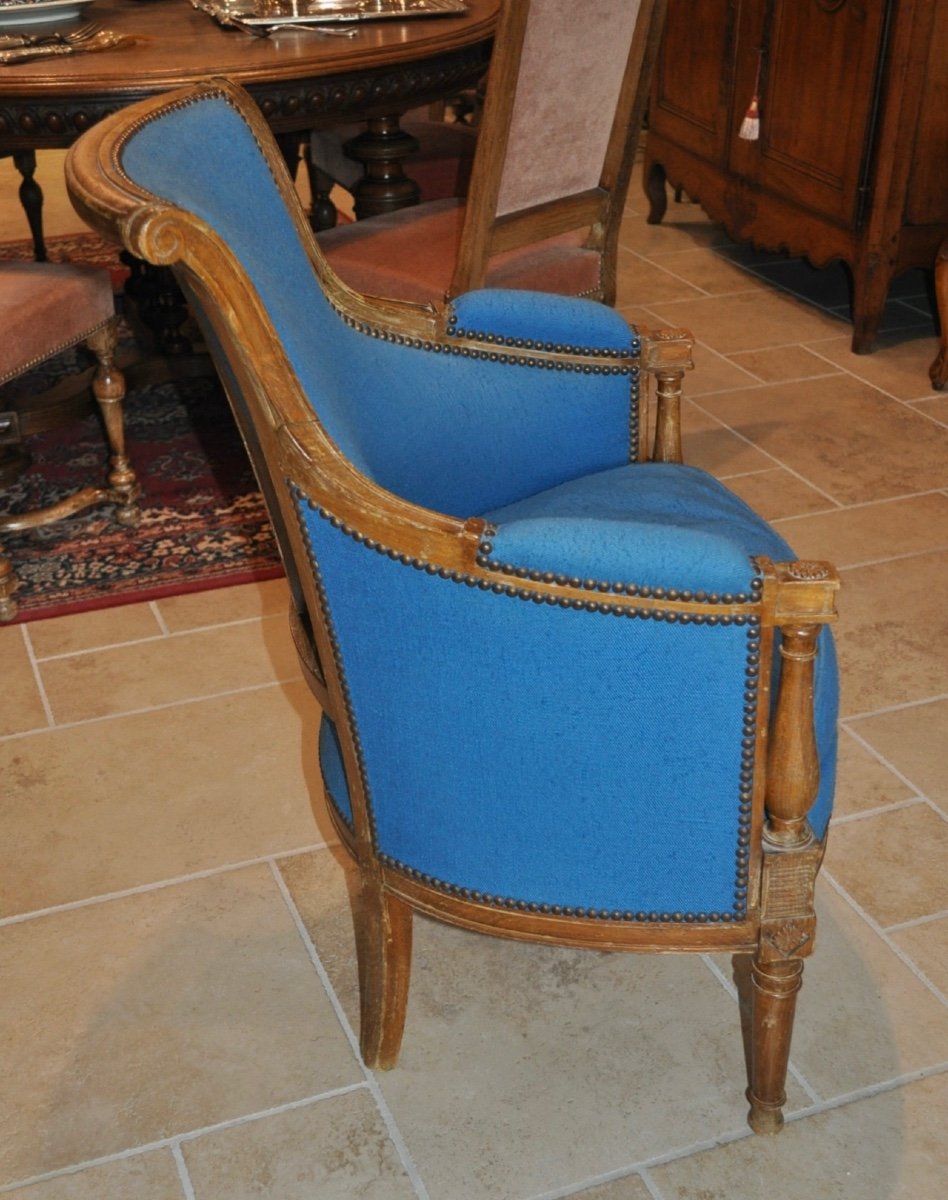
(179, 987)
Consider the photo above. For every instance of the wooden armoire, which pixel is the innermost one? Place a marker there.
(851, 161)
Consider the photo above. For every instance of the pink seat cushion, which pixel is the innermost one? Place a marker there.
(45, 307)
(410, 255)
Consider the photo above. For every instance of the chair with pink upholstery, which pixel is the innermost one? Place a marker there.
(564, 102)
(46, 308)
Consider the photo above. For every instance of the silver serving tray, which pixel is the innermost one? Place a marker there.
(273, 13)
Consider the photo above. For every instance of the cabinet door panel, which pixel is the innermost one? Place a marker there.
(692, 82)
(818, 82)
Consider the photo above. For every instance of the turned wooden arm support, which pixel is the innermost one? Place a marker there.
(666, 354)
(804, 601)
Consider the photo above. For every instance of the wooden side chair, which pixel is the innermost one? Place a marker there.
(565, 97)
(45, 308)
(572, 692)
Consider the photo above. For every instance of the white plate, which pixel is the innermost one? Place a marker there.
(40, 12)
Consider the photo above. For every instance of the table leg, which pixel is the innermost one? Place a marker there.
(31, 197)
(381, 148)
(939, 368)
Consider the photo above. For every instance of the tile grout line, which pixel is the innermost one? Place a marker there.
(879, 810)
(880, 932)
(37, 676)
(160, 884)
(857, 504)
(914, 924)
(401, 1147)
(139, 712)
(159, 618)
(183, 1174)
(169, 1143)
(167, 635)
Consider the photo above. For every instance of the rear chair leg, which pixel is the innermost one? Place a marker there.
(383, 929)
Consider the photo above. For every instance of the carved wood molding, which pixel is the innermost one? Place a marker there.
(53, 120)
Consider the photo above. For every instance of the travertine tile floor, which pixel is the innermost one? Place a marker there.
(179, 992)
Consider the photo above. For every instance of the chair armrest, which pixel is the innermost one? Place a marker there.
(538, 321)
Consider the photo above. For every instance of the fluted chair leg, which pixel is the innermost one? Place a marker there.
(774, 987)
(7, 588)
(383, 930)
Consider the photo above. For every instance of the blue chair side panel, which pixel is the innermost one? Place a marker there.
(545, 755)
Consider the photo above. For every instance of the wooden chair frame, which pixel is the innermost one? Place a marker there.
(484, 233)
(289, 445)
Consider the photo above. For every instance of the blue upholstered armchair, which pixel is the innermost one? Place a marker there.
(570, 695)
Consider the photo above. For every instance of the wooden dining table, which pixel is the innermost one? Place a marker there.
(301, 79)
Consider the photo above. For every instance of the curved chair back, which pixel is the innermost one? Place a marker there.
(547, 667)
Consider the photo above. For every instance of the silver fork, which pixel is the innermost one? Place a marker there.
(75, 38)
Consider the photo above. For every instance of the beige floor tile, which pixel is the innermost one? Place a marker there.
(713, 372)
(927, 946)
(160, 1013)
(893, 633)
(777, 493)
(913, 740)
(936, 408)
(871, 532)
(151, 1176)
(21, 706)
(780, 364)
(751, 320)
(893, 863)
(93, 630)
(707, 444)
(642, 282)
(89, 811)
(842, 436)
(168, 670)
(336, 1149)
(898, 365)
(526, 1068)
(200, 609)
(711, 273)
(862, 782)
(863, 1016)
(889, 1147)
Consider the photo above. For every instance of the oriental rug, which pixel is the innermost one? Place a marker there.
(203, 522)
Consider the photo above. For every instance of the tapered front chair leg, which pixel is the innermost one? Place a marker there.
(774, 987)
(383, 930)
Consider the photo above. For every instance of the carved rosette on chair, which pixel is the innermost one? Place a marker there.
(47, 308)
(572, 692)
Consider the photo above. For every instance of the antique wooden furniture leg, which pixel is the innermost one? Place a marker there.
(791, 854)
(31, 197)
(122, 489)
(939, 368)
(383, 930)
(7, 588)
(381, 148)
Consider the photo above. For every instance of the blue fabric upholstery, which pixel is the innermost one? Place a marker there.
(603, 767)
(545, 755)
(448, 431)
